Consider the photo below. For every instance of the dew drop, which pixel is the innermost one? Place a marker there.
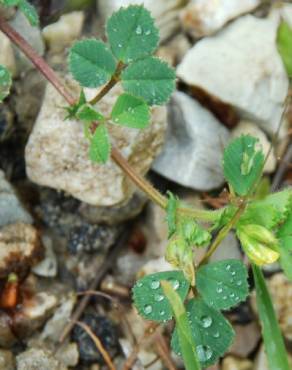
(239, 283)
(175, 284)
(148, 309)
(139, 284)
(228, 267)
(225, 297)
(162, 313)
(233, 273)
(139, 30)
(120, 45)
(216, 334)
(155, 284)
(206, 321)
(148, 32)
(231, 295)
(158, 297)
(204, 353)
(219, 289)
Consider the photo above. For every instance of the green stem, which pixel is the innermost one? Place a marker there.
(273, 339)
(223, 233)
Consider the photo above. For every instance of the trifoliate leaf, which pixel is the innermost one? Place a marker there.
(184, 331)
(87, 113)
(223, 284)
(132, 34)
(131, 112)
(5, 82)
(30, 12)
(100, 146)
(243, 163)
(285, 238)
(212, 332)
(73, 109)
(171, 209)
(91, 63)
(150, 299)
(284, 42)
(150, 79)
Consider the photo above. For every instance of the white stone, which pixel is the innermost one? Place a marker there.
(48, 266)
(193, 147)
(245, 128)
(241, 66)
(204, 17)
(35, 358)
(165, 12)
(62, 33)
(57, 152)
(11, 209)
(7, 58)
(55, 326)
(32, 35)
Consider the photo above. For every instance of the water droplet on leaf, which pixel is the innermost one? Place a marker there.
(139, 30)
(155, 284)
(204, 353)
(206, 321)
(148, 309)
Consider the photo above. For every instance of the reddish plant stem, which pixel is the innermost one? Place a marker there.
(37, 60)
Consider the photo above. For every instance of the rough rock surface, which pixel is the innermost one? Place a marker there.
(36, 359)
(7, 56)
(62, 33)
(57, 152)
(165, 12)
(11, 209)
(241, 66)
(7, 361)
(194, 141)
(20, 248)
(204, 17)
(32, 35)
(249, 128)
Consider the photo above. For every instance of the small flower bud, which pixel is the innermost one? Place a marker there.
(258, 252)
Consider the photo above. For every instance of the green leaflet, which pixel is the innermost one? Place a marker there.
(273, 340)
(150, 79)
(285, 238)
(100, 146)
(171, 208)
(30, 12)
(131, 112)
(193, 233)
(150, 299)
(132, 34)
(212, 332)
(268, 212)
(185, 337)
(27, 9)
(73, 109)
(87, 113)
(5, 82)
(243, 164)
(284, 43)
(91, 63)
(223, 284)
